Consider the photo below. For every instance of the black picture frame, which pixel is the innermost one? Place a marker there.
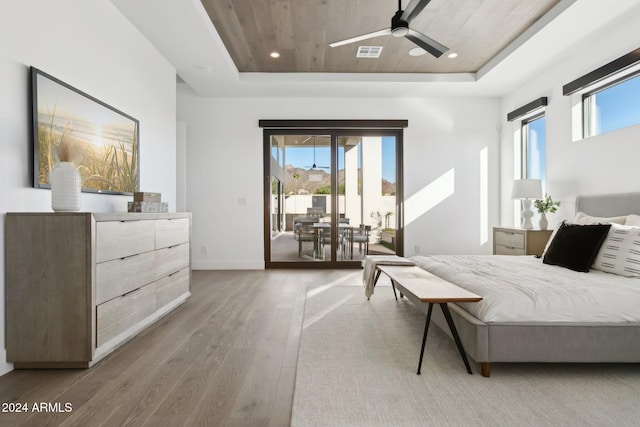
(70, 125)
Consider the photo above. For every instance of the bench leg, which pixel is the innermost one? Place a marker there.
(424, 336)
(486, 369)
(393, 286)
(454, 332)
(375, 280)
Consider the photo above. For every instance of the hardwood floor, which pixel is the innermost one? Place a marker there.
(226, 357)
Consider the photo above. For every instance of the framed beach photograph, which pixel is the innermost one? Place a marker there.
(72, 126)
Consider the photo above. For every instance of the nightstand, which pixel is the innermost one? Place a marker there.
(518, 241)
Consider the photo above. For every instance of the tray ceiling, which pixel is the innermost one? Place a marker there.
(301, 30)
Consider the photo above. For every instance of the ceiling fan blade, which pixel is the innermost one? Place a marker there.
(413, 9)
(384, 32)
(427, 43)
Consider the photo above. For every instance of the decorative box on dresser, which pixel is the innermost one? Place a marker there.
(79, 285)
(519, 241)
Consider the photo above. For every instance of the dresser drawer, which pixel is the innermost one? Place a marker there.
(119, 276)
(171, 287)
(508, 250)
(119, 314)
(171, 232)
(169, 260)
(118, 239)
(509, 239)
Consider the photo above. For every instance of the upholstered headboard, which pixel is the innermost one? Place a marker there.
(609, 205)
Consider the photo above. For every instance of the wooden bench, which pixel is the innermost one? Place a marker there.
(422, 287)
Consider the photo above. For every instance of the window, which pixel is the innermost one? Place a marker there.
(612, 106)
(531, 136)
(534, 156)
(607, 98)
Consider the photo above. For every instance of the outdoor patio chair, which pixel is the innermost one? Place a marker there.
(361, 237)
(325, 238)
(346, 242)
(306, 233)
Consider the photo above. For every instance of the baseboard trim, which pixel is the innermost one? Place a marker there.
(227, 265)
(4, 365)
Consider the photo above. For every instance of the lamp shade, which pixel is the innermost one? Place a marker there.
(527, 189)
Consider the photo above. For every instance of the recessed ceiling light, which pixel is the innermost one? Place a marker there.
(274, 55)
(452, 55)
(417, 51)
(206, 68)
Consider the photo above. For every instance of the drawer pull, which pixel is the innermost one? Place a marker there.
(130, 292)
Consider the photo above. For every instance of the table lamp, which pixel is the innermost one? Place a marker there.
(525, 190)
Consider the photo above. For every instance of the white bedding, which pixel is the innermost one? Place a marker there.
(523, 289)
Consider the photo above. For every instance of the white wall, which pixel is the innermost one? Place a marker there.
(226, 178)
(602, 164)
(91, 46)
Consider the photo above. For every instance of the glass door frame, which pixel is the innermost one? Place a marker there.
(335, 129)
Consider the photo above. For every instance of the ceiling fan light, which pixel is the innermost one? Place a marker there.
(400, 31)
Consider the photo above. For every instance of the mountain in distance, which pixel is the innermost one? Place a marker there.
(302, 185)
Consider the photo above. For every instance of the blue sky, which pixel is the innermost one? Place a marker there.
(302, 157)
(537, 155)
(619, 106)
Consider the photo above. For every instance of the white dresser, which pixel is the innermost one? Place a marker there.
(519, 241)
(79, 285)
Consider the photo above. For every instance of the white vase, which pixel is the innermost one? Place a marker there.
(65, 188)
(543, 223)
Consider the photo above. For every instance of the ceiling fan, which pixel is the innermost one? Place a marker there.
(400, 28)
(314, 166)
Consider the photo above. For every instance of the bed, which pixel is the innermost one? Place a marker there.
(535, 312)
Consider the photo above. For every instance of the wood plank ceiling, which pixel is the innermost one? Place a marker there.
(301, 30)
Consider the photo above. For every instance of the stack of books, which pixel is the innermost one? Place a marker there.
(148, 202)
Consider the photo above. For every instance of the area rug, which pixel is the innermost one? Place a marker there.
(357, 367)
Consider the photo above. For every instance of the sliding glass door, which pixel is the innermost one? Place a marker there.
(331, 196)
(367, 186)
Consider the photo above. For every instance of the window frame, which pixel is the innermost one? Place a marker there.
(600, 78)
(589, 118)
(524, 138)
(333, 128)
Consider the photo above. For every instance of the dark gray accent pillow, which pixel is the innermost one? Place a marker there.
(576, 246)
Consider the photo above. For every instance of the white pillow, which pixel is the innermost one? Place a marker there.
(633, 220)
(620, 252)
(584, 219)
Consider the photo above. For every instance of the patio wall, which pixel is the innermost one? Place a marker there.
(297, 205)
